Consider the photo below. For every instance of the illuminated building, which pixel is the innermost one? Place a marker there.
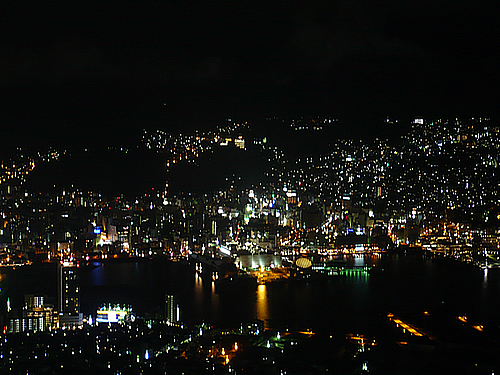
(39, 314)
(240, 142)
(114, 314)
(36, 316)
(106, 234)
(172, 310)
(69, 296)
(291, 197)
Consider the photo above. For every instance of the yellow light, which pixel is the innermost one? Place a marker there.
(409, 328)
(478, 327)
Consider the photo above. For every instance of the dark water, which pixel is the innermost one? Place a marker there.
(408, 284)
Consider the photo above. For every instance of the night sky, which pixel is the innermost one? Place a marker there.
(97, 69)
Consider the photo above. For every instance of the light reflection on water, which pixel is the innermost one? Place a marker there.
(485, 278)
(3, 278)
(97, 276)
(403, 283)
(204, 299)
(359, 260)
(262, 306)
(214, 300)
(198, 289)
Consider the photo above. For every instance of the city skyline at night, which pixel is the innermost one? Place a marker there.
(249, 187)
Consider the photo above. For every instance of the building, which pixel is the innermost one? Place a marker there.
(69, 296)
(36, 316)
(240, 142)
(172, 310)
(114, 314)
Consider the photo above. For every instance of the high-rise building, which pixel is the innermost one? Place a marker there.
(69, 296)
(172, 310)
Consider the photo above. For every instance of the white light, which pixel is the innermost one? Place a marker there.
(225, 250)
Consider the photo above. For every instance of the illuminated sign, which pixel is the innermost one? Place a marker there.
(97, 230)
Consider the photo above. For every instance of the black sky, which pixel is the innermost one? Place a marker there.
(101, 68)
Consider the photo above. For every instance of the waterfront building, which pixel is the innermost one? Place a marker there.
(172, 310)
(114, 314)
(36, 316)
(69, 296)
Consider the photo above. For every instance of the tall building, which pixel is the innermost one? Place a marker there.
(69, 296)
(172, 310)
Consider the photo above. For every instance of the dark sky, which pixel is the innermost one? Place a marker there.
(101, 68)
